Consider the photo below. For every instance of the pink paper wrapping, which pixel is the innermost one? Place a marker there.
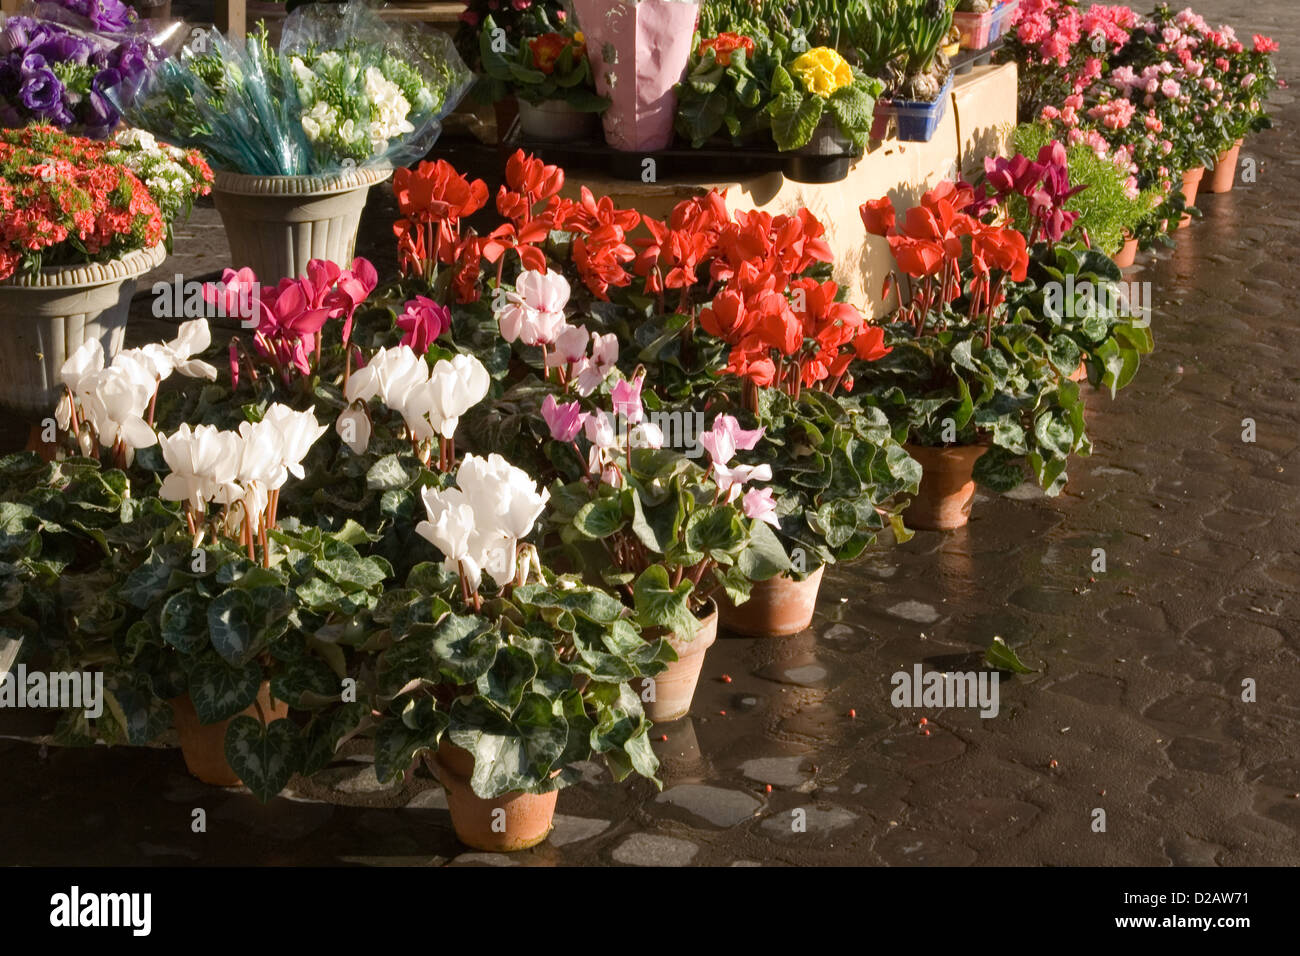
(638, 53)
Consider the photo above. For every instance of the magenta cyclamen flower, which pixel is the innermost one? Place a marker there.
(355, 283)
(423, 321)
(564, 421)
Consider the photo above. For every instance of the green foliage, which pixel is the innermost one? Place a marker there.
(838, 475)
(663, 538)
(1007, 385)
(513, 69)
(530, 684)
(1106, 213)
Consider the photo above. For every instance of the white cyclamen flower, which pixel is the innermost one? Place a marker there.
(202, 462)
(114, 402)
(449, 528)
(453, 388)
(297, 432)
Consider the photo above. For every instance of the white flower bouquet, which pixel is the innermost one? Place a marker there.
(344, 89)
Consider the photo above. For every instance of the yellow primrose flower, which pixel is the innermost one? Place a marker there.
(822, 70)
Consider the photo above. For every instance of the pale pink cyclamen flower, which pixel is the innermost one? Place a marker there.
(726, 438)
(758, 504)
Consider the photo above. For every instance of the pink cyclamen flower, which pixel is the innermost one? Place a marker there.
(237, 295)
(354, 285)
(758, 504)
(627, 400)
(732, 481)
(423, 321)
(564, 421)
(570, 347)
(726, 438)
(604, 356)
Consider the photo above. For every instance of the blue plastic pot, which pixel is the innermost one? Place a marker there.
(919, 119)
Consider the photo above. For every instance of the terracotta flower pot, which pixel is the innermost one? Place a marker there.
(512, 821)
(204, 745)
(674, 688)
(777, 607)
(943, 501)
(1225, 171)
(277, 224)
(639, 50)
(1127, 254)
(1191, 187)
(555, 121)
(47, 317)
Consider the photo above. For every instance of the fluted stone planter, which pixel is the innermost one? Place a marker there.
(277, 224)
(47, 317)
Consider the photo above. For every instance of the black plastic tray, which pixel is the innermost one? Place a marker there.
(966, 60)
(716, 161)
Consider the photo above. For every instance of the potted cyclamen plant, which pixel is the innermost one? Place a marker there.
(972, 387)
(1072, 291)
(63, 283)
(831, 466)
(362, 96)
(639, 50)
(503, 688)
(218, 592)
(550, 76)
(672, 537)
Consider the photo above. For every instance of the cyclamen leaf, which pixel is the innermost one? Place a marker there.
(265, 758)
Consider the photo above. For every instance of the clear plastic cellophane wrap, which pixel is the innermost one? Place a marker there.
(344, 89)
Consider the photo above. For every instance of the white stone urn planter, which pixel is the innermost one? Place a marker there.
(277, 224)
(47, 317)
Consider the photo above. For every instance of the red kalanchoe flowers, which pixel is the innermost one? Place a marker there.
(57, 189)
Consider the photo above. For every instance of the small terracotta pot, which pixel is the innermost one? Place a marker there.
(1225, 171)
(204, 745)
(777, 607)
(512, 821)
(943, 501)
(1127, 254)
(1191, 187)
(674, 688)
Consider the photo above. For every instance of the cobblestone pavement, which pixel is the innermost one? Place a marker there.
(1136, 707)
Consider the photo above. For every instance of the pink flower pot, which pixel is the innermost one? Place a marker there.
(638, 54)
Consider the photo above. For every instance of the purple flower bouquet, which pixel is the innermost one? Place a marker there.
(59, 72)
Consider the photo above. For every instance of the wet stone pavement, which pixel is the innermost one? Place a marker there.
(1136, 707)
